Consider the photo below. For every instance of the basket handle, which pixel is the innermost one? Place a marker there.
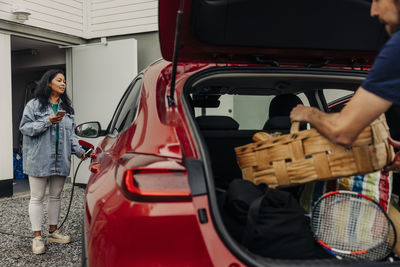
(261, 136)
(295, 127)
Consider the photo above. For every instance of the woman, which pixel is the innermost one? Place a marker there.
(47, 126)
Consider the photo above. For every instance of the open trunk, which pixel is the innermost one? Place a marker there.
(307, 49)
(229, 105)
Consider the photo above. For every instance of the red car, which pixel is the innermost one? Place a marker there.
(160, 174)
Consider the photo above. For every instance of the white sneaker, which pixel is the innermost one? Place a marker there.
(38, 245)
(57, 237)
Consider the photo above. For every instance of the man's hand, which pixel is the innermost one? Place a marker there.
(395, 165)
(300, 113)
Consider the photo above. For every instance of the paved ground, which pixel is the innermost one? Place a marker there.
(15, 233)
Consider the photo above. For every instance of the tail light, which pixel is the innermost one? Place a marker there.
(156, 184)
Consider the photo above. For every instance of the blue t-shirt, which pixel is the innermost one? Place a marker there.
(384, 77)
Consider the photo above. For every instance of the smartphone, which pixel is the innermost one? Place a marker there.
(61, 113)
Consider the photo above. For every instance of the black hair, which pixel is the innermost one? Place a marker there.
(43, 91)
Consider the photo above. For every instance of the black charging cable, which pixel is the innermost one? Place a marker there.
(87, 154)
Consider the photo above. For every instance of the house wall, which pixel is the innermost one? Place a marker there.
(148, 47)
(87, 18)
(65, 16)
(118, 17)
(6, 139)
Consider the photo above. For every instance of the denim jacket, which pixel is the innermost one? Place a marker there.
(39, 142)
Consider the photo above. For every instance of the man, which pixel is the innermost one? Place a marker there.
(376, 94)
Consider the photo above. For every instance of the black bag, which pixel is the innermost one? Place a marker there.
(238, 198)
(241, 194)
(278, 228)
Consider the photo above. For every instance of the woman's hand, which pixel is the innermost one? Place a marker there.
(395, 165)
(54, 119)
(84, 156)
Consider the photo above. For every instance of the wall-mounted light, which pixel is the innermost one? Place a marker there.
(20, 11)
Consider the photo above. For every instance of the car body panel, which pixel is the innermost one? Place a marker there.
(117, 235)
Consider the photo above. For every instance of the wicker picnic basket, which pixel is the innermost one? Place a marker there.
(304, 156)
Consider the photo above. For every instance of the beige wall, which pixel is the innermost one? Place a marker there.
(6, 136)
(65, 16)
(110, 18)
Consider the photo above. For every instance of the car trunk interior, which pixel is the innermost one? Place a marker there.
(249, 92)
(221, 137)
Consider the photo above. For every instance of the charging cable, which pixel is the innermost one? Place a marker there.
(87, 154)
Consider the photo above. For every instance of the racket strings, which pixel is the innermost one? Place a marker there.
(353, 227)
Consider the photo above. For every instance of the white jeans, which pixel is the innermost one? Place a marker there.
(38, 189)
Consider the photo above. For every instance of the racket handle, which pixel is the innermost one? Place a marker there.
(394, 215)
(333, 254)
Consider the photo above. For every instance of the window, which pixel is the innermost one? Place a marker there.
(250, 111)
(332, 95)
(127, 109)
(336, 99)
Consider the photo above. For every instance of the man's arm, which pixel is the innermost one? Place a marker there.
(344, 127)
